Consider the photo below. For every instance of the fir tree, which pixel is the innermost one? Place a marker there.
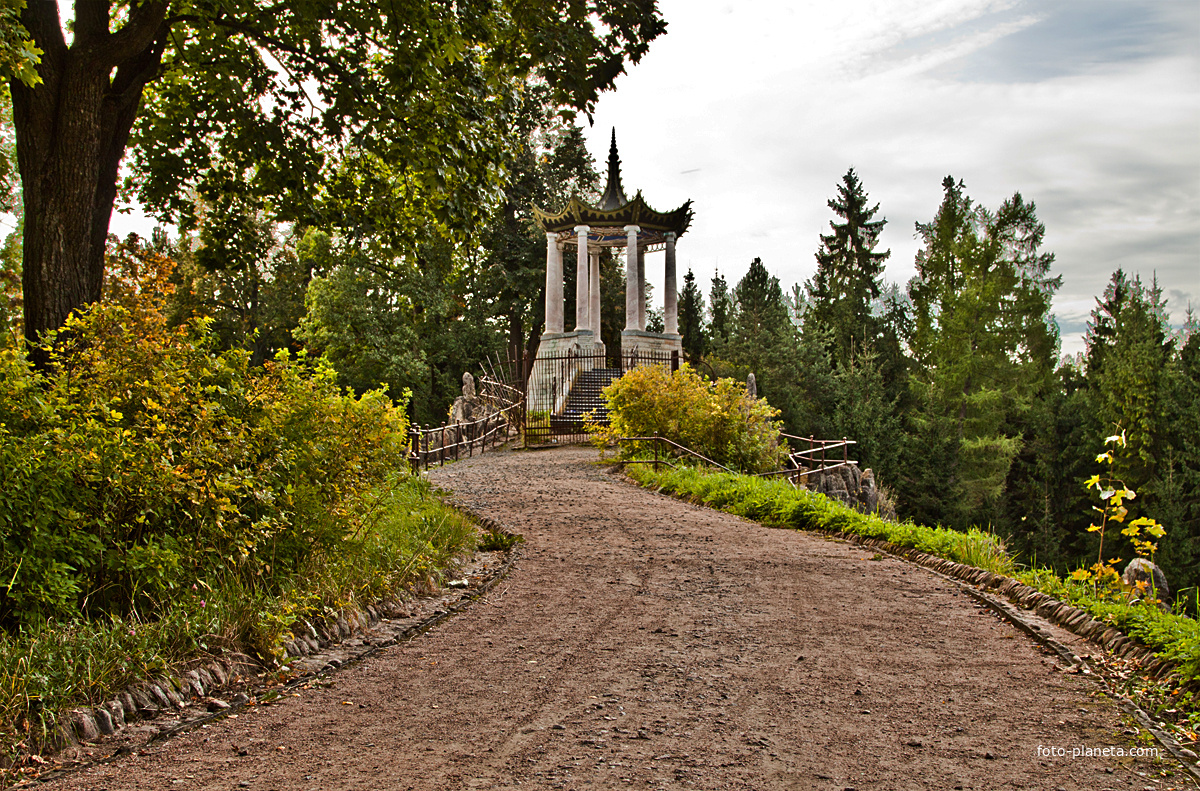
(762, 339)
(720, 306)
(848, 271)
(759, 301)
(982, 339)
(1129, 357)
(691, 319)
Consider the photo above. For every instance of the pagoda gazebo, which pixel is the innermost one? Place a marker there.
(616, 222)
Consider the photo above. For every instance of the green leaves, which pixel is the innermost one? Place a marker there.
(366, 117)
(148, 461)
(19, 55)
(1113, 494)
(716, 419)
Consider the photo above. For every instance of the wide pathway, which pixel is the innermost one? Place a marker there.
(642, 642)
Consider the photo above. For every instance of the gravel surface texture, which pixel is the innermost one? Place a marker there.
(642, 642)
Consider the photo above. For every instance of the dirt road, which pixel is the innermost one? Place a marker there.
(645, 643)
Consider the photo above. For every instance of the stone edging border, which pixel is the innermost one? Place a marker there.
(149, 698)
(1075, 620)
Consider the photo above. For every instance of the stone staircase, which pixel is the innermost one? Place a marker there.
(585, 397)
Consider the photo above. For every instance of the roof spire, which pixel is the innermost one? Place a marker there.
(613, 196)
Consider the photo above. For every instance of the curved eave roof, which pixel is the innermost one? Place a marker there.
(635, 212)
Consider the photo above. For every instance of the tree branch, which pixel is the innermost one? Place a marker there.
(40, 18)
(144, 27)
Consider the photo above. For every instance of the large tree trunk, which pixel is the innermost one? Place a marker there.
(72, 130)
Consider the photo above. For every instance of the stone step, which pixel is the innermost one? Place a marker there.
(585, 397)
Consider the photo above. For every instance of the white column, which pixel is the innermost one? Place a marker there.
(670, 297)
(582, 301)
(594, 285)
(631, 277)
(554, 284)
(641, 288)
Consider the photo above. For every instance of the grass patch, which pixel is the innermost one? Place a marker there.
(407, 543)
(1173, 637)
(775, 502)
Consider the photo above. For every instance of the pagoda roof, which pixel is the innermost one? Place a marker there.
(616, 211)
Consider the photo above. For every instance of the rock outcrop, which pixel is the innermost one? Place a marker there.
(856, 488)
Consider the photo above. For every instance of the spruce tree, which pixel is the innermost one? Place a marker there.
(720, 306)
(691, 319)
(982, 339)
(759, 300)
(762, 339)
(1178, 489)
(848, 271)
(1130, 356)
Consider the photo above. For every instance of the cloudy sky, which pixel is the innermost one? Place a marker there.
(755, 109)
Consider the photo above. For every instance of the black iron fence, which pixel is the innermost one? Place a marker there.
(563, 391)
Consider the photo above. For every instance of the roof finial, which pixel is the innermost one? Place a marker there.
(613, 196)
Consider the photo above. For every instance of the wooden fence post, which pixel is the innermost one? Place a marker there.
(414, 450)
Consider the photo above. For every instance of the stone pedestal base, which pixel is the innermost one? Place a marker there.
(653, 345)
(579, 342)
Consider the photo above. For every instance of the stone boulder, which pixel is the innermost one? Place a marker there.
(1142, 570)
(465, 406)
(855, 488)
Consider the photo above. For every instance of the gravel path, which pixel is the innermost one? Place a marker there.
(642, 642)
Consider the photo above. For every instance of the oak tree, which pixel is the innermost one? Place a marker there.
(267, 98)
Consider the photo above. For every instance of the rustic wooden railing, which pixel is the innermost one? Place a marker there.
(797, 459)
(806, 462)
(656, 461)
(450, 442)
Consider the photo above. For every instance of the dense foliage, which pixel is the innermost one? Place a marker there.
(163, 497)
(147, 460)
(717, 419)
(358, 116)
(353, 185)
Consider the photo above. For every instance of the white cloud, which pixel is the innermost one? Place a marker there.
(755, 111)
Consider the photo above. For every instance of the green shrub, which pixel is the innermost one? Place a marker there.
(54, 665)
(146, 460)
(716, 419)
(160, 499)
